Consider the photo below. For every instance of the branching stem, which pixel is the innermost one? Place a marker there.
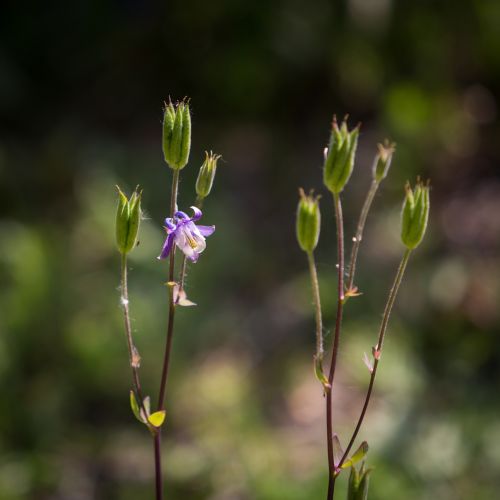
(378, 349)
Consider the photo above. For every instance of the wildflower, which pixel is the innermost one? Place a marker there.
(189, 237)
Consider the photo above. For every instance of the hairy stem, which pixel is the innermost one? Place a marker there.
(359, 232)
(168, 344)
(132, 351)
(134, 359)
(336, 340)
(383, 329)
(317, 305)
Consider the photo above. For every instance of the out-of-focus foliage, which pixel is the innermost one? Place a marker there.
(81, 91)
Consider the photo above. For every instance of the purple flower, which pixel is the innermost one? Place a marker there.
(189, 237)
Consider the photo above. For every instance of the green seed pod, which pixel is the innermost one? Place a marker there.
(206, 175)
(415, 214)
(308, 221)
(339, 157)
(383, 160)
(128, 218)
(177, 134)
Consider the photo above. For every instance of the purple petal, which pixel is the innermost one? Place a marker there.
(206, 230)
(169, 224)
(181, 215)
(197, 213)
(193, 257)
(167, 246)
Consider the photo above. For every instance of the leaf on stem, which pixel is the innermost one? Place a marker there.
(157, 418)
(135, 408)
(357, 456)
(320, 374)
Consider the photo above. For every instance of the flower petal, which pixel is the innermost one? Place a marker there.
(206, 230)
(167, 246)
(181, 215)
(193, 257)
(169, 224)
(197, 213)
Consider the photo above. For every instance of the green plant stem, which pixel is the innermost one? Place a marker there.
(359, 232)
(336, 341)
(132, 351)
(383, 329)
(168, 344)
(317, 305)
(128, 332)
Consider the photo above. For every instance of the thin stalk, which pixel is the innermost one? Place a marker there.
(168, 346)
(383, 329)
(317, 305)
(171, 312)
(134, 363)
(336, 342)
(132, 351)
(359, 232)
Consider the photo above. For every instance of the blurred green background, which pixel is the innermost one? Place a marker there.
(81, 90)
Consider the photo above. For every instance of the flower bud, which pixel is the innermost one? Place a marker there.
(415, 214)
(177, 134)
(383, 160)
(308, 221)
(128, 218)
(339, 159)
(206, 175)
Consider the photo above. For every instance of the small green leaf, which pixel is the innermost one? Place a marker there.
(157, 418)
(135, 407)
(357, 456)
(320, 374)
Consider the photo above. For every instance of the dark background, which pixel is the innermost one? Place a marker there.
(82, 86)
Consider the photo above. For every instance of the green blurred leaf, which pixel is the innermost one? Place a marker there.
(135, 407)
(358, 455)
(157, 418)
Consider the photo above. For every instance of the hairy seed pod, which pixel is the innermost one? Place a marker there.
(177, 134)
(308, 221)
(415, 214)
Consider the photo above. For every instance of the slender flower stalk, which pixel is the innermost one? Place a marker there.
(359, 234)
(336, 342)
(133, 354)
(378, 350)
(168, 345)
(381, 165)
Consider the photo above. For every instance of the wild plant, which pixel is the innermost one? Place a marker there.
(339, 159)
(183, 233)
